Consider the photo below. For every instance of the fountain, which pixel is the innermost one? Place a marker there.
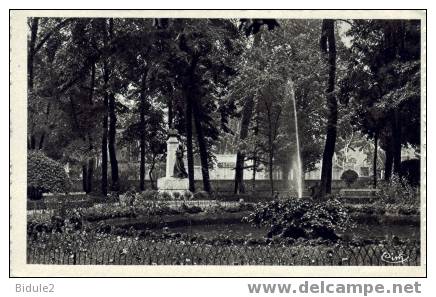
(296, 159)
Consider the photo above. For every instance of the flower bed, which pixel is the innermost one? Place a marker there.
(95, 248)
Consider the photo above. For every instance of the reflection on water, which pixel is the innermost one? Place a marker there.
(246, 230)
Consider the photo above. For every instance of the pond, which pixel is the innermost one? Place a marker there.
(242, 230)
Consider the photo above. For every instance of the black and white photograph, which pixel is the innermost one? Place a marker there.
(258, 141)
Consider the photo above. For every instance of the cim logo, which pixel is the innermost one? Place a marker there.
(393, 259)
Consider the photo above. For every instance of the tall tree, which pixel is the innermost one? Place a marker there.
(203, 60)
(328, 49)
(41, 34)
(289, 53)
(384, 80)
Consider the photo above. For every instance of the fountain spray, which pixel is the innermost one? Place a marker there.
(298, 170)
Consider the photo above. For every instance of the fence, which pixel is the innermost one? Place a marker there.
(148, 252)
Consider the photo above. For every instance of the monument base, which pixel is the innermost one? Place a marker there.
(172, 184)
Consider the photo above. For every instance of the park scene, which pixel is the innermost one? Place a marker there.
(212, 141)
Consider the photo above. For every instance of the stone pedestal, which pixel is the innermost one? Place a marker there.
(169, 183)
(172, 184)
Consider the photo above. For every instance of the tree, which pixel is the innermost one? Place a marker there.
(154, 134)
(62, 88)
(202, 58)
(287, 54)
(383, 84)
(41, 33)
(328, 49)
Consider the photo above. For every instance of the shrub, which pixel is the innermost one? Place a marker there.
(128, 198)
(107, 211)
(155, 208)
(410, 170)
(45, 175)
(304, 218)
(397, 191)
(165, 196)
(191, 209)
(373, 209)
(201, 195)
(176, 195)
(408, 210)
(349, 177)
(187, 195)
(147, 195)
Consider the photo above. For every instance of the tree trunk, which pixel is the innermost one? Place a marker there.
(239, 173)
(112, 144)
(202, 145)
(328, 48)
(30, 66)
(41, 141)
(271, 179)
(189, 146)
(245, 123)
(396, 140)
(106, 76)
(142, 136)
(84, 178)
(375, 159)
(91, 160)
(104, 148)
(253, 177)
(255, 161)
(240, 156)
(188, 86)
(150, 172)
(388, 162)
(31, 53)
(90, 175)
(32, 142)
(170, 107)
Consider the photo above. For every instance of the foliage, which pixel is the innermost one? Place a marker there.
(164, 196)
(45, 174)
(367, 209)
(147, 248)
(151, 68)
(381, 88)
(398, 191)
(349, 176)
(187, 195)
(410, 170)
(379, 208)
(301, 218)
(177, 195)
(219, 208)
(201, 195)
(147, 195)
(191, 209)
(275, 68)
(384, 73)
(128, 198)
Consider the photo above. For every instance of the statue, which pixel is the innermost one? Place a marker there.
(179, 166)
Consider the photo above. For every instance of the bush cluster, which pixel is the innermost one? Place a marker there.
(349, 177)
(398, 191)
(45, 175)
(378, 208)
(304, 218)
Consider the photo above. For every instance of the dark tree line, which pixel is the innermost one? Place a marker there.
(97, 84)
